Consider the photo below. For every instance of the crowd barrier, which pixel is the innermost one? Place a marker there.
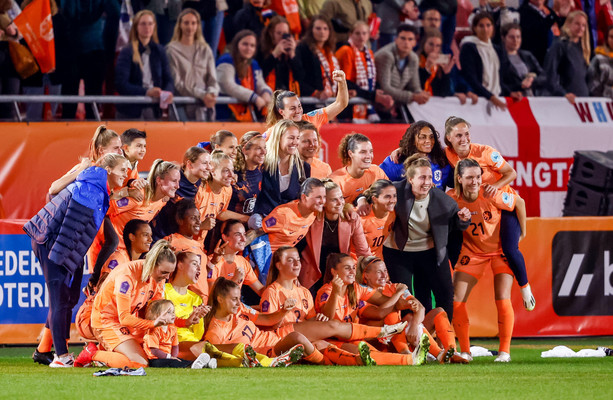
(569, 262)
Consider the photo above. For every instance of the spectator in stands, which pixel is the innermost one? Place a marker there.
(521, 73)
(277, 56)
(9, 80)
(310, 8)
(567, 60)
(398, 68)
(254, 16)
(212, 16)
(480, 60)
(142, 69)
(166, 14)
(435, 67)
(229, 28)
(240, 76)
(536, 20)
(358, 62)
(343, 14)
(600, 73)
(390, 11)
(316, 53)
(283, 171)
(431, 19)
(447, 10)
(192, 65)
(501, 14)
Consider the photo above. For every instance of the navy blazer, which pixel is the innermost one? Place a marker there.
(442, 212)
(129, 77)
(472, 69)
(271, 196)
(511, 80)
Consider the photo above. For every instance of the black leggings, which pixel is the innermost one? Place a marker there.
(419, 270)
(169, 363)
(510, 231)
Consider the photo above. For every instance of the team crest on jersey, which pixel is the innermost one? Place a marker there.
(324, 297)
(464, 260)
(265, 306)
(438, 175)
(315, 112)
(361, 304)
(487, 216)
(125, 286)
(272, 221)
(497, 159)
(507, 199)
(122, 202)
(305, 304)
(113, 264)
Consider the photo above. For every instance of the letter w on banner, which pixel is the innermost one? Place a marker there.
(34, 23)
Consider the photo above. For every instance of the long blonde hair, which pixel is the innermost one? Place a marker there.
(160, 251)
(177, 34)
(217, 156)
(272, 149)
(585, 39)
(134, 41)
(159, 169)
(102, 137)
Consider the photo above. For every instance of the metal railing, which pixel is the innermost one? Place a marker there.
(178, 100)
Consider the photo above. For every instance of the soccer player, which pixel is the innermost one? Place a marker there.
(358, 172)
(248, 169)
(137, 239)
(481, 249)
(115, 315)
(497, 174)
(381, 196)
(308, 148)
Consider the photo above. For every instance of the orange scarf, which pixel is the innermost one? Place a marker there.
(433, 72)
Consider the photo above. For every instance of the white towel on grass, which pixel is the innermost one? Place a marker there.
(563, 351)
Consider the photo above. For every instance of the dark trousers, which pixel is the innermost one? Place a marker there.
(64, 291)
(169, 363)
(111, 241)
(510, 231)
(91, 68)
(419, 271)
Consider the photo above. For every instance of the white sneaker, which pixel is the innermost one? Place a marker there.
(528, 297)
(503, 357)
(391, 330)
(202, 361)
(467, 356)
(66, 361)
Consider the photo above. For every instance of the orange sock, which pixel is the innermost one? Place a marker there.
(400, 342)
(443, 330)
(359, 332)
(46, 341)
(391, 358)
(506, 318)
(341, 357)
(434, 347)
(461, 325)
(315, 358)
(115, 360)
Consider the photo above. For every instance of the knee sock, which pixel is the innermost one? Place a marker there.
(400, 343)
(506, 319)
(315, 358)
(434, 347)
(224, 360)
(461, 325)
(443, 330)
(391, 358)
(115, 360)
(46, 341)
(359, 332)
(338, 356)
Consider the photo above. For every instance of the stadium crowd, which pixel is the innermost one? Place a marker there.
(393, 52)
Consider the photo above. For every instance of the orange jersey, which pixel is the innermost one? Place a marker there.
(344, 311)
(489, 159)
(285, 226)
(377, 230)
(275, 295)
(182, 243)
(483, 234)
(211, 204)
(122, 299)
(239, 330)
(126, 209)
(319, 169)
(353, 187)
(226, 269)
(119, 256)
(156, 338)
(316, 117)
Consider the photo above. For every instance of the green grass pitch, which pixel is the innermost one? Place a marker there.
(528, 376)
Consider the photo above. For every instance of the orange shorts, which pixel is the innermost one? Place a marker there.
(115, 335)
(265, 342)
(475, 264)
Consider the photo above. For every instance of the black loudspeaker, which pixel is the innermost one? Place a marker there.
(582, 200)
(594, 169)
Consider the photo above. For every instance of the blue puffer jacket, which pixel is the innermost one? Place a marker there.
(68, 224)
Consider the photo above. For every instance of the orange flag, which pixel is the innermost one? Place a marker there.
(34, 23)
